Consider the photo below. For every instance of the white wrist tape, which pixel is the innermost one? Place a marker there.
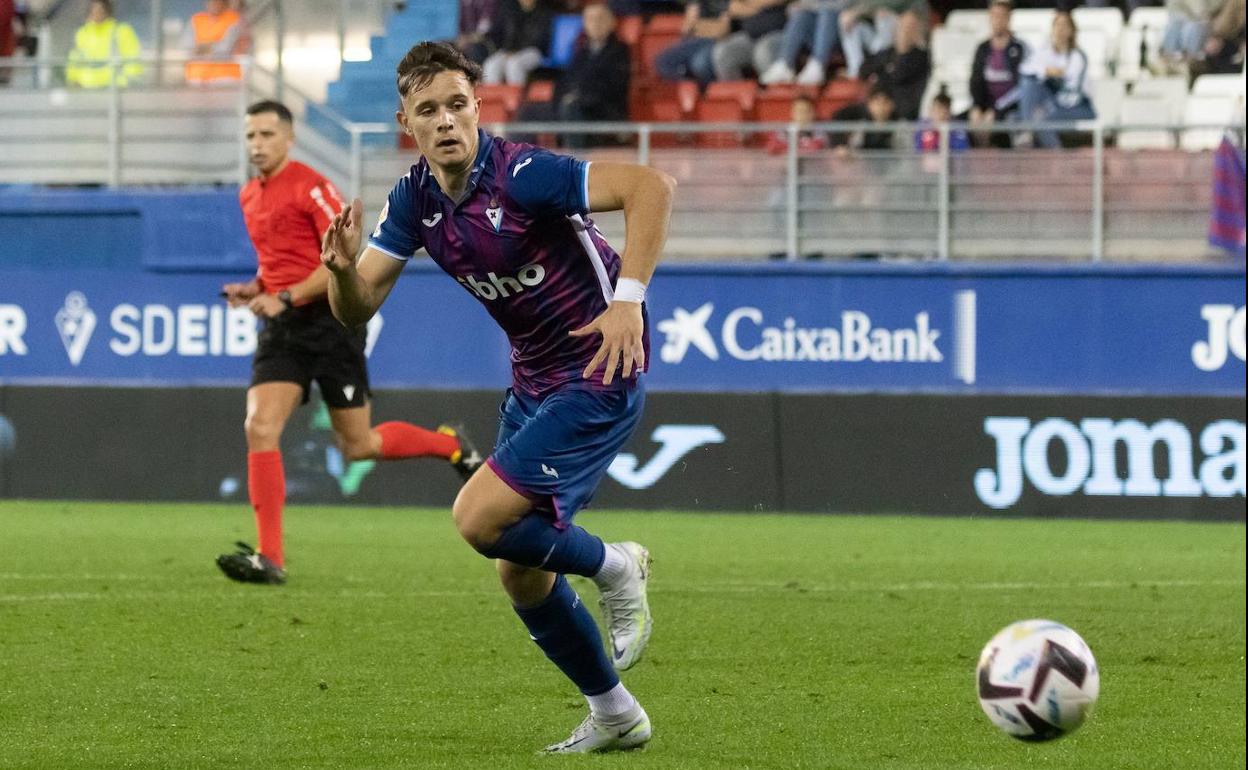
(630, 290)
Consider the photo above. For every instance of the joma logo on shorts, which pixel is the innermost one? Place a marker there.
(494, 286)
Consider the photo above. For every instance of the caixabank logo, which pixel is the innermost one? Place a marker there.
(853, 336)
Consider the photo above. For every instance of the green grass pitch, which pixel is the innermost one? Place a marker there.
(780, 642)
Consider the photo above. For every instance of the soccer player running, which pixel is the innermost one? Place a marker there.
(508, 222)
(287, 208)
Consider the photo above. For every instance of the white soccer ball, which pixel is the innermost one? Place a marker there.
(1037, 680)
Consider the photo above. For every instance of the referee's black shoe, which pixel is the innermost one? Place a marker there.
(466, 459)
(247, 566)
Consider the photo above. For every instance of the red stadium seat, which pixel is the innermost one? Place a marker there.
(666, 22)
(628, 29)
(494, 112)
(776, 103)
(506, 96)
(652, 44)
(845, 90)
(719, 111)
(825, 107)
(744, 92)
(540, 91)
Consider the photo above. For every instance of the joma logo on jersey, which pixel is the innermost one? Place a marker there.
(494, 286)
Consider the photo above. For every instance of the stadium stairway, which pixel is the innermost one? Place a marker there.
(364, 91)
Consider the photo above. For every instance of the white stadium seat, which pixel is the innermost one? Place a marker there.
(1172, 90)
(1130, 66)
(1107, 21)
(1218, 85)
(1107, 98)
(953, 51)
(1146, 110)
(1152, 17)
(973, 22)
(1218, 111)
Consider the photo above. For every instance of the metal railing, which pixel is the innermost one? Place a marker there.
(736, 198)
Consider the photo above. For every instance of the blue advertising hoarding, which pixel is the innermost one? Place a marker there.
(793, 328)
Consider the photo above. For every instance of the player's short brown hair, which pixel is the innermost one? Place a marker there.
(277, 108)
(425, 60)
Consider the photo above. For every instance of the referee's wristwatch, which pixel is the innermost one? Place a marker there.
(284, 296)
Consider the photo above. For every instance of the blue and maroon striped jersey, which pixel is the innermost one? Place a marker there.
(521, 242)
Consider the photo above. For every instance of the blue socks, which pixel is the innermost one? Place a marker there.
(534, 542)
(567, 633)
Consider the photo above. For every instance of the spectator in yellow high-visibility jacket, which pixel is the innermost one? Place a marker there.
(96, 44)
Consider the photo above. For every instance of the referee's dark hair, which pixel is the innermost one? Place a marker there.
(425, 60)
(277, 108)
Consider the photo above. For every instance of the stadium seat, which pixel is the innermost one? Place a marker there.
(1107, 22)
(953, 51)
(1172, 90)
(628, 30)
(776, 103)
(726, 110)
(667, 23)
(1149, 17)
(744, 92)
(652, 44)
(498, 102)
(1132, 63)
(846, 90)
(1215, 111)
(975, 23)
(1218, 85)
(564, 33)
(1145, 110)
(1107, 99)
(540, 91)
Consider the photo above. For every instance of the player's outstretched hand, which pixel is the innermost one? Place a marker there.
(341, 244)
(621, 329)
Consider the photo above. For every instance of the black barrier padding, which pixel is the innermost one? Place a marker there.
(916, 454)
(921, 454)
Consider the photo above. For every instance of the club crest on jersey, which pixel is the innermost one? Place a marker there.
(495, 214)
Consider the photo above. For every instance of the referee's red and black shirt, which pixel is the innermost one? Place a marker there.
(286, 215)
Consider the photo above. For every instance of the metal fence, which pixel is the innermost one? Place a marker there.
(1089, 201)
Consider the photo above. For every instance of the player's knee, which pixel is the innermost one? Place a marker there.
(262, 433)
(473, 525)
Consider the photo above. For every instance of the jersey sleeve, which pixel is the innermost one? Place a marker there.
(323, 203)
(396, 234)
(544, 183)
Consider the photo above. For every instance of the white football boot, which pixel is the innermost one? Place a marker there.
(631, 731)
(626, 609)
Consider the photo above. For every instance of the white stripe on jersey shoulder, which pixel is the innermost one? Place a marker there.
(374, 245)
(585, 188)
(600, 268)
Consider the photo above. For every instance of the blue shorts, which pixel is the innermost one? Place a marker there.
(555, 450)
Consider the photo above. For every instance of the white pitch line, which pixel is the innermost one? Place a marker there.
(737, 588)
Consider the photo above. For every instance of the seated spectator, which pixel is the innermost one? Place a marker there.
(878, 108)
(927, 138)
(752, 21)
(995, 72)
(8, 36)
(1224, 46)
(212, 37)
(1055, 83)
(595, 85)
(904, 67)
(706, 23)
(475, 20)
(521, 38)
(1187, 28)
(869, 26)
(808, 140)
(96, 44)
(811, 26)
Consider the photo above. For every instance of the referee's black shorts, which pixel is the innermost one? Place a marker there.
(306, 344)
